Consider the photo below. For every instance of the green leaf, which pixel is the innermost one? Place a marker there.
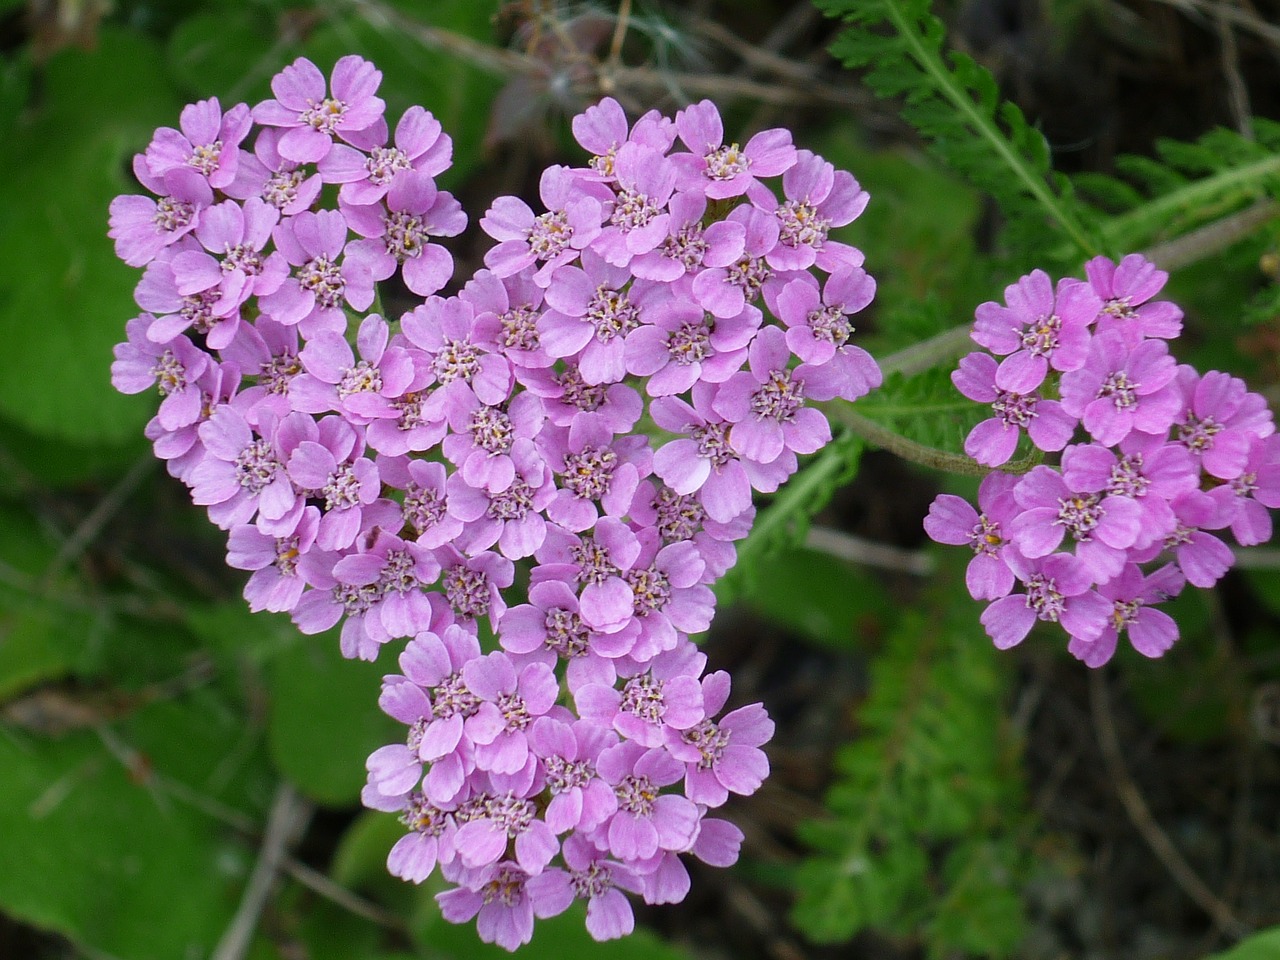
(325, 719)
(229, 54)
(64, 297)
(1260, 946)
(40, 638)
(823, 599)
(110, 853)
(925, 814)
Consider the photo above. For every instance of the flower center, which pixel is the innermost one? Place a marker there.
(513, 503)
(1043, 597)
(588, 475)
(709, 740)
(749, 275)
(651, 588)
(679, 516)
(456, 360)
(1198, 434)
(642, 697)
(985, 537)
(172, 214)
(1015, 409)
(364, 377)
(1041, 338)
(205, 157)
(550, 234)
(612, 314)
(325, 115)
(405, 234)
(579, 394)
(801, 224)
(467, 591)
(1080, 515)
(323, 278)
(830, 324)
(1126, 477)
(778, 398)
(636, 795)
(384, 163)
(520, 328)
(633, 209)
(691, 343)
(423, 508)
(170, 374)
(726, 162)
(342, 490)
(686, 246)
(491, 430)
(257, 465)
(713, 442)
(281, 188)
(567, 635)
(593, 560)
(1122, 392)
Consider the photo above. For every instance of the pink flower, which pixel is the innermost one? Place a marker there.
(208, 142)
(1039, 329)
(310, 117)
(575, 212)
(313, 296)
(721, 170)
(397, 234)
(367, 173)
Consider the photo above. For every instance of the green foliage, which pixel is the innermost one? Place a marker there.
(927, 408)
(926, 816)
(64, 294)
(97, 833)
(823, 599)
(1261, 946)
(785, 521)
(955, 104)
(1185, 185)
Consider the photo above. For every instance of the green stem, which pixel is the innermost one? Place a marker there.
(881, 436)
(1120, 230)
(927, 354)
(931, 62)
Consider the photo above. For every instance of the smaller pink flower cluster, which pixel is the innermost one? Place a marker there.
(592, 412)
(1154, 457)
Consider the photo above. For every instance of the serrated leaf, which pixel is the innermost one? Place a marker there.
(65, 298)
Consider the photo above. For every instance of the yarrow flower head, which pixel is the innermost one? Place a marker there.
(560, 455)
(1154, 456)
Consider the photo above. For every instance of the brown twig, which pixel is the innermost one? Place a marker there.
(1135, 806)
(1212, 238)
(285, 824)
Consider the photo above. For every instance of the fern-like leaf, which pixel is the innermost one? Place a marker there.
(923, 837)
(955, 103)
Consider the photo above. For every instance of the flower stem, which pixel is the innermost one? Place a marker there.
(908, 449)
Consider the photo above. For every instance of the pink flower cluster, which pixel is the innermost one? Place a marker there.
(1155, 458)
(564, 451)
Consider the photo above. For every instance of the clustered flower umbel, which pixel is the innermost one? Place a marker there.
(1155, 459)
(596, 405)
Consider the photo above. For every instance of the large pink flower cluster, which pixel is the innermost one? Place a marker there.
(564, 451)
(1155, 458)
